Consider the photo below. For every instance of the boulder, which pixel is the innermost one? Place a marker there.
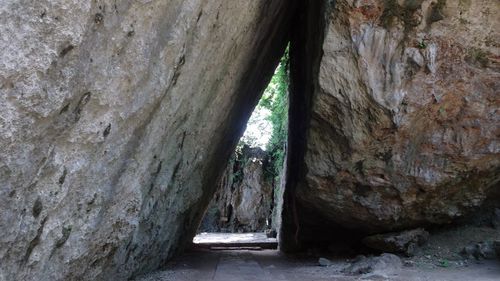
(115, 117)
(399, 242)
(394, 119)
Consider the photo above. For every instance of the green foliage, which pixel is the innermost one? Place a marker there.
(275, 98)
(444, 263)
(422, 45)
(273, 109)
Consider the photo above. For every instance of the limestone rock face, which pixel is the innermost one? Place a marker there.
(114, 119)
(244, 199)
(403, 127)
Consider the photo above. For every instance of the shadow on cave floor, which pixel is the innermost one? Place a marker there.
(244, 265)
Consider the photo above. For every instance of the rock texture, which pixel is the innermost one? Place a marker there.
(495, 221)
(402, 128)
(114, 119)
(496, 245)
(400, 242)
(244, 198)
(482, 250)
(378, 267)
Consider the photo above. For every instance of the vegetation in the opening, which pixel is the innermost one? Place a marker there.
(276, 100)
(259, 128)
(267, 127)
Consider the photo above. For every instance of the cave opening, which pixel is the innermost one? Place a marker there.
(246, 209)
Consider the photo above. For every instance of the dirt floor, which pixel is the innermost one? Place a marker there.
(438, 260)
(271, 265)
(444, 246)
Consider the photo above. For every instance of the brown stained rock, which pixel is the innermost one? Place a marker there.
(399, 242)
(403, 129)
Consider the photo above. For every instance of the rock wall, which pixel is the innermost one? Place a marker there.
(114, 119)
(244, 198)
(394, 115)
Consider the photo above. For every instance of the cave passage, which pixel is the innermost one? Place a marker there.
(246, 208)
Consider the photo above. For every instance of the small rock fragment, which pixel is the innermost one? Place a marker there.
(409, 263)
(382, 265)
(324, 262)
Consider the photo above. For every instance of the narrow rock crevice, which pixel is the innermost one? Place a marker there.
(305, 54)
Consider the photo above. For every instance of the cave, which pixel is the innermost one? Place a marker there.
(118, 120)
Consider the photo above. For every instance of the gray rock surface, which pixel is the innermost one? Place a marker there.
(244, 198)
(324, 262)
(495, 221)
(114, 119)
(496, 246)
(382, 265)
(400, 242)
(483, 250)
(403, 126)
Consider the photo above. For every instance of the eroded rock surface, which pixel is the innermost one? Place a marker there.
(244, 198)
(403, 129)
(404, 242)
(378, 266)
(114, 119)
(482, 250)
